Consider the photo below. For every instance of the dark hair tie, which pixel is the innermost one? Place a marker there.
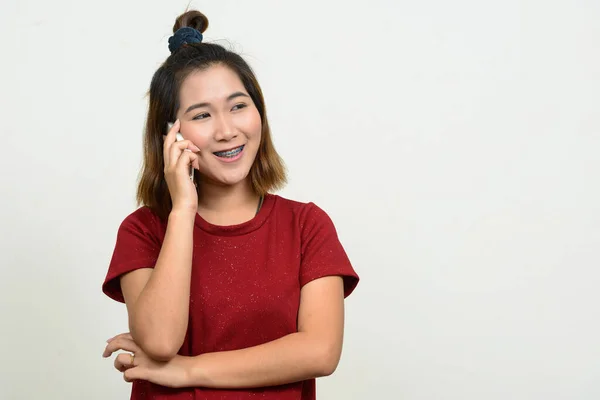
(185, 35)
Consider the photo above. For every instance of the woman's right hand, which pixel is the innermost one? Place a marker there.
(177, 170)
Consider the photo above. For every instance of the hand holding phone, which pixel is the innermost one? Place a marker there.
(179, 137)
(179, 166)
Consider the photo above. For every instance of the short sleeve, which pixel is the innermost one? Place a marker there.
(322, 253)
(137, 246)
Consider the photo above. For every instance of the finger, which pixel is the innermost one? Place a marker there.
(186, 145)
(136, 373)
(123, 362)
(172, 132)
(126, 335)
(170, 139)
(119, 364)
(186, 159)
(178, 147)
(120, 344)
(193, 147)
(196, 163)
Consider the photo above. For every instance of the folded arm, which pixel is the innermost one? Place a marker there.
(312, 352)
(157, 298)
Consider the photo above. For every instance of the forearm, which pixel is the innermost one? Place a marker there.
(160, 313)
(292, 358)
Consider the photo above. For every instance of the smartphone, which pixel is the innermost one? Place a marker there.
(180, 138)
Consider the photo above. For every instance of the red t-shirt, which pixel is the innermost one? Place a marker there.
(245, 285)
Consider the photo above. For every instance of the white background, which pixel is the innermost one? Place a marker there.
(455, 144)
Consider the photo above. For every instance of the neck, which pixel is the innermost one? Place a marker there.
(216, 199)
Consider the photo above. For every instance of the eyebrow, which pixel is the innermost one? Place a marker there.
(229, 98)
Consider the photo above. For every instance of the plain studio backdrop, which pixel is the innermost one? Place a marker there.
(454, 144)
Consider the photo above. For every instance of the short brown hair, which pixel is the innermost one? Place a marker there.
(268, 170)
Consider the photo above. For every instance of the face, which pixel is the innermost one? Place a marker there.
(219, 117)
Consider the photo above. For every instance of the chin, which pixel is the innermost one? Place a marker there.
(229, 179)
(232, 182)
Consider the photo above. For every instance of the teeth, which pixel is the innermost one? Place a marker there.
(230, 153)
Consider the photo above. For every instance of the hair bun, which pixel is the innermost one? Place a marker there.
(184, 36)
(193, 19)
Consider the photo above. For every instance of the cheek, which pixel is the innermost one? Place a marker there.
(257, 128)
(252, 124)
(201, 140)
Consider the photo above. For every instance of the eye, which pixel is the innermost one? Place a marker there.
(239, 106)
(201, 116)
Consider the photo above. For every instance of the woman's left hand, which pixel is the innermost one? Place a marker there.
(165, 373)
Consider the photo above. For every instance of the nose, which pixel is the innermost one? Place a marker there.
(224, 129)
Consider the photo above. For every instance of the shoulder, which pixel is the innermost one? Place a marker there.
(142, 220)
(142, 215)
(304, 212)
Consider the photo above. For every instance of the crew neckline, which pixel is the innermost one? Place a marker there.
(240, 229)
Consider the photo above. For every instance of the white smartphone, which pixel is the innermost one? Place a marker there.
(180, 138)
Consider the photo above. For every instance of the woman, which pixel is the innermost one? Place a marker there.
(231, 292)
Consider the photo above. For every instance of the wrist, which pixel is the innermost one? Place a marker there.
(195, 371)
(184, 365)
(182, 214)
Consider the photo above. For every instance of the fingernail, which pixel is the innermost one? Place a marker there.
(195, 148)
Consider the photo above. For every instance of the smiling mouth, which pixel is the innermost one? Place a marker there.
(229, 153)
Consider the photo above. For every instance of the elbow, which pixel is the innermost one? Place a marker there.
(328, 368)
(328, 360)
(160, 352)
(159, 346)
